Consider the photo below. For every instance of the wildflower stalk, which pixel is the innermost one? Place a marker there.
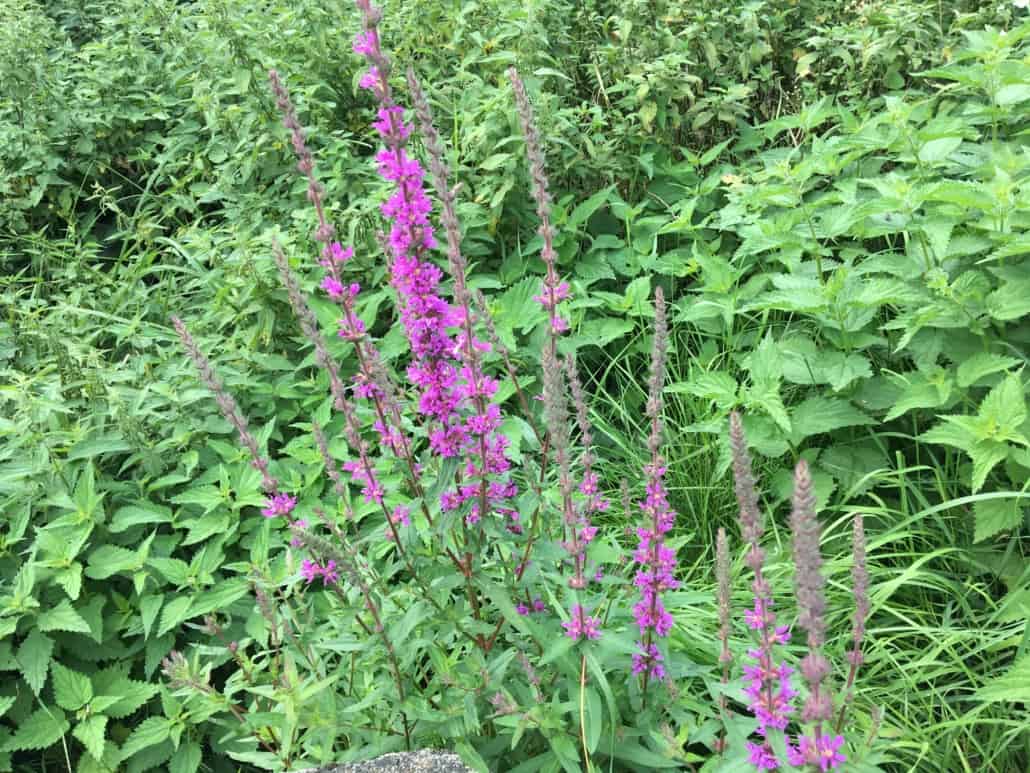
(555, 290)
(860, 590)
(228, 405)
(817, 748)
(722, 574)
(768, 682)
(657, 561)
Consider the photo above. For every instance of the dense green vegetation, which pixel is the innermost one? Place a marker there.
(834, 197)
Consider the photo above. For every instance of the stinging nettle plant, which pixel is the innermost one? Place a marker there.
(469, 600)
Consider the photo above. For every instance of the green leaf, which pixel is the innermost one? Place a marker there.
(108, 560)
(108, 444)
(938, 149)
(592, 717)
(1003, 411)
(70, 580)
(1013, 686)
(917, 395)
(603, 331)
(996, 515)
(72, 690)
(42, 729)
(765, 363)
(982, 364)
(1010, 301)
(6, 701)
(818, 415)
(714, 385)
(985, 454)
(149, 606)
(767, 397)
(642, 757)
(174, 570)
(63, 617)
(34, 659)
(137, 515)
(218, 597)
(90, 733)
(805, 363)
(186, 759)
(1012, 94)
(176, 611)
(150, 732)
(131, 694)
(208, 497)
(585, 209)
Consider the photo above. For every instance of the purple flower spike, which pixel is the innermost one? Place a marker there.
(657, 561)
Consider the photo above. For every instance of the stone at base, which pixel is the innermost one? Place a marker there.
(423, 761)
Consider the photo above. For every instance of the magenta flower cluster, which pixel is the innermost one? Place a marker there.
(454, 393)
(657, 563)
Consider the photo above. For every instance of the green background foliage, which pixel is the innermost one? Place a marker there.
(834, 197)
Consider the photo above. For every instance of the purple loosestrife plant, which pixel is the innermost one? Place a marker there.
(462, 541)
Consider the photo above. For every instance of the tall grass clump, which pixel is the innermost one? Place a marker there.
(457, 591)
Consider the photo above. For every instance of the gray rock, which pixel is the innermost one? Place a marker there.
(422, 761)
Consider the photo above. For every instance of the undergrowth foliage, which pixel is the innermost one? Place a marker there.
(470, 546)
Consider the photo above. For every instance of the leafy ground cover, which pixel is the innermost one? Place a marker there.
(833, 199)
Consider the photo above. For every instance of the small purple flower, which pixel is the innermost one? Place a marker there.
(522, 609)
(824, 752)
(312, 570)
(279, 504)
(580, 624)
(762, 757)
(335, 254)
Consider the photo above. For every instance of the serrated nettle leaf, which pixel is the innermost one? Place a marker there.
(174, 570)
(175, 612)
(72, 690)
(219, 597)
(90, 732)
(994, 516)
(108, 560)
(34, 659)
(63, 617)
(150, 732)
(1003, 412)
(1012, 686)
(186, 759)
(137, 515)
(764, 363)
(917, 392)
(149, 606)
(766, 398)
(70, 580)
(981, 365)
(42, 729)
(715, 385)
